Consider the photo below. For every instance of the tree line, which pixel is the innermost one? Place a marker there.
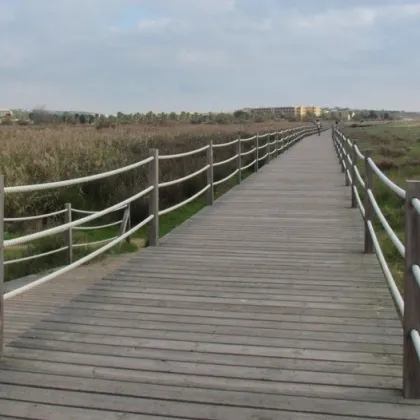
(42, 116)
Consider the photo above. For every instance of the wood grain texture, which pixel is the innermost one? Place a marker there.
(25, 310)
(262, 306)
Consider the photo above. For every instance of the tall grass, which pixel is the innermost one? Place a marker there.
(31, 155)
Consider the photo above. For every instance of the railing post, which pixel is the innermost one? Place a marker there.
(293, 138)
(277, 145)
(1, 265)
(284, 140)
(343, 156)
(154, 198)
(268, 148)
(210, 179)
(411, 363)
(353, 184)
(289, 135)
(335, 141)
(344, 144)
(368, 203)
(125, 223)
(348, 164)
(280, 141)
(69, 234)
(129, 221)
(239, 153)
(256, 152)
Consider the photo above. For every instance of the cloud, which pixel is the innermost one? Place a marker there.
(357, 17)
(6, 16)
(353, 18)
(196, 8)
(153, 25)
(136, 55)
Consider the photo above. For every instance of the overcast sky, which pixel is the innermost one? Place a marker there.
(199, 55)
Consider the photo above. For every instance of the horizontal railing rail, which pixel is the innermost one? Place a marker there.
(273, 144)
(408, 305)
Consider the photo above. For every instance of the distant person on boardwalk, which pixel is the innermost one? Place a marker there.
(318, 127)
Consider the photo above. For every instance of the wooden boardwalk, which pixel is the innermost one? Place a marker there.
(260, 307)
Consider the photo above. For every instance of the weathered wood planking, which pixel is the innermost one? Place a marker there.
(262, 306)
(25, 310)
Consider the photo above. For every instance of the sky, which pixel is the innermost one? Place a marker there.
(208, 55)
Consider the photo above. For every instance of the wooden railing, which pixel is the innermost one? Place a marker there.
(408, 305)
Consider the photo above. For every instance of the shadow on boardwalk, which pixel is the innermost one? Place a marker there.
(262, 306)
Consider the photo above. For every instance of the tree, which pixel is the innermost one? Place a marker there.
(150, 117)
(173, 116)
(357, 116)
(162, 117)
(90, 119)
(241, 115)
(41, 116)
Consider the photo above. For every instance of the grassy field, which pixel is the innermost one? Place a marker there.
(396, 151)
(40, 154)
(31, 155)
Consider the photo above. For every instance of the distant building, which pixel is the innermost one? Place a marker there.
(6, 113)
(302, 111)
(288, 111)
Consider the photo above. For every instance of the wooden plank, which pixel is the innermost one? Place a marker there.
(230, 314)
(256, 300)
(322, 351)
(191, 321)
(292, 308)
(58, 412)
(167, 286)
(233, 313)
(176, 331)
(268, 276)
(133, 337)
(260, 306)
(198, 394)
(241, 327)
(244, 406)
(267, 295)
(37, 411)
(117, 357)
(244, 267)
(182, 372)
